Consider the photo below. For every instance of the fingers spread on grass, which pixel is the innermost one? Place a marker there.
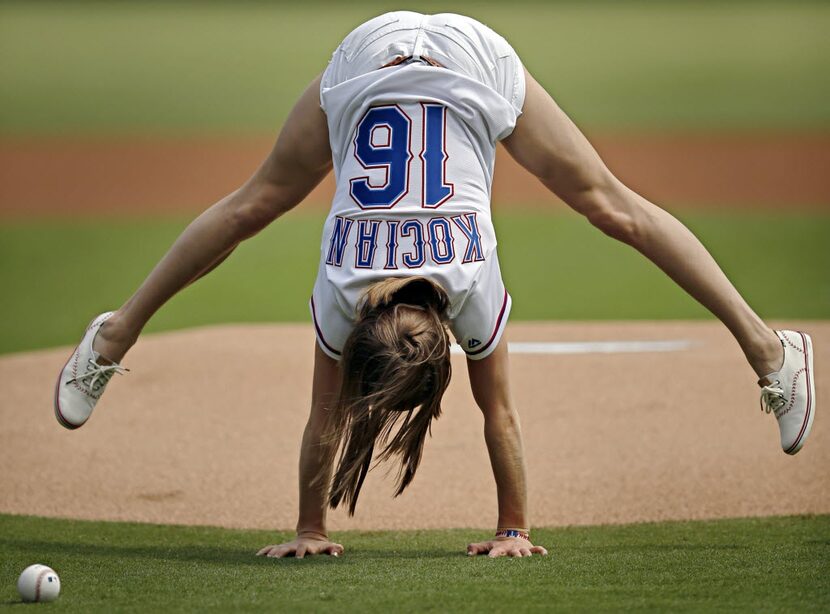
(301, 550)
(268, 550)
(273, 551)
(334, 549)
(479, 548)
(501, 548)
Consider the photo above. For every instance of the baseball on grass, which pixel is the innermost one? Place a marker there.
(39, 583)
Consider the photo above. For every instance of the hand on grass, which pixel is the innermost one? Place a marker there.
(301, 546)
(511, 546)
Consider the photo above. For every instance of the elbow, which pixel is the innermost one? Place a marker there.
(499, 414)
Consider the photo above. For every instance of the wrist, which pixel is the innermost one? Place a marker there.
(513, 533)
(312, 528)
(313, 534)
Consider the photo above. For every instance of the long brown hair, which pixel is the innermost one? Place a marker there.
(395, 368)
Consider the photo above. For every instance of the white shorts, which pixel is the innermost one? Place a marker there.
(477, 321)
(459, 43)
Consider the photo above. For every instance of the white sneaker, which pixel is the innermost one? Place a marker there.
(790, 393)
(82, 380)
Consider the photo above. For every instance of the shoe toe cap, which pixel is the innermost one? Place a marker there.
(72, 405)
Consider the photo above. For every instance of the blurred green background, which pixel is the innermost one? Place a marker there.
(99, 70)
(236, 67)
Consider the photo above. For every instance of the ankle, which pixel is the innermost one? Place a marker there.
(115, 338)
(766, 354)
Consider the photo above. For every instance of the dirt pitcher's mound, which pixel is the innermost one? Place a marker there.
(206, 430)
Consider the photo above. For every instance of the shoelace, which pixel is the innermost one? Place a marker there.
(772, 397)
(98, 374)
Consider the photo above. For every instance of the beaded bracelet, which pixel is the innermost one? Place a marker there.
(520, 533)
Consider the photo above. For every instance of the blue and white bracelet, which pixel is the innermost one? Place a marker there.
(509, 533)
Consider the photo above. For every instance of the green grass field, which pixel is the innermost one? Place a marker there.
(184, 67)
(757, 565)
(555, 266)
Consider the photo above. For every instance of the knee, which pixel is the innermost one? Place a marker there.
(614, 216)
(253, 214)
(619, 225)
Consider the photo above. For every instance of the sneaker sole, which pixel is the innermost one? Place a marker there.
(811, 396)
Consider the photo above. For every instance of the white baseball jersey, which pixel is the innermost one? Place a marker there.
(413, 149)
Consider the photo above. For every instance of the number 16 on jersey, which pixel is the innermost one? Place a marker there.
(383, 141)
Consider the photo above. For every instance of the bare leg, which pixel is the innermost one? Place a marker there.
(193, 254)
(551, 147)
(300, 158)
(671, 246)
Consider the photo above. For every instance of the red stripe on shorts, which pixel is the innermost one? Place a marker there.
(320, 332)
(495, 330)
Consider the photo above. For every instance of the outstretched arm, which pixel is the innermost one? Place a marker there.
(490, 383)
(312, 533)
(298, 162)
(548, 144)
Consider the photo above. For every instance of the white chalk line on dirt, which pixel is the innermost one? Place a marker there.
(593, 347)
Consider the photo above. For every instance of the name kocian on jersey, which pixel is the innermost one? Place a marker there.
(409, 243)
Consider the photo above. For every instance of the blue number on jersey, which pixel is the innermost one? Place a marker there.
(393, 155)
(383, 141)
(434, 155)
